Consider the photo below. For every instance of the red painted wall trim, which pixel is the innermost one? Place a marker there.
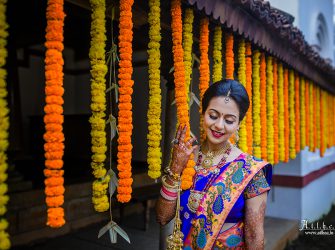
(301, 181)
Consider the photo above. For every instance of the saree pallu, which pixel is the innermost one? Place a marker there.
(222, 202)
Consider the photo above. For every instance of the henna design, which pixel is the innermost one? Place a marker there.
(165, 211)
(254, 226)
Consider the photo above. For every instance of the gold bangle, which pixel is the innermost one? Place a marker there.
(174, 176)
(167, 185)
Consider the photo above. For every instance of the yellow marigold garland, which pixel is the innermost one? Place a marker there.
(317, 116)
(256, 104)
(242, 79)
(297, 112)
(204, 66)
(4, 125)
(125, 121)
(180, 90)
(269, 110)
(286, 115)
(53, 119)
(217, 54)
(98, 105)
(263, 87)
(291, 115)
(275, 112)
(154, 156)
(187, 46)
(302, 113)
(322, 123)
(311, 119)
(229, 55)
(307, 113)
(248, 72)
(281, 113)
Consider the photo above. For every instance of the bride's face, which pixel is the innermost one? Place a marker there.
(221, 120)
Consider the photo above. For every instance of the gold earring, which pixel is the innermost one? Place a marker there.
(237, 137)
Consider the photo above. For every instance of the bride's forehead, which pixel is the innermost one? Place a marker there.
(220, 103)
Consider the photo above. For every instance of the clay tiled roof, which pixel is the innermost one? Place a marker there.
(273, 31)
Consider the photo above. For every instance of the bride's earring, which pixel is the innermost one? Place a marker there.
(237, 137)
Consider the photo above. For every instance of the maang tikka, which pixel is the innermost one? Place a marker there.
(227, 98)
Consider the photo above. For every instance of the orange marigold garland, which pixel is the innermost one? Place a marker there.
(263, 106)
(297, 112)
(322, 123)
(248, 76)
(256, 107)
(286, 116)
(302, 113)
(204, 66)
(229, 55)
(314, 117)
(307, 113)
(53, 119)
(125, 120)
(275, 112)
(317, 117)
(311, 117)
(291, 104)
(179, 81)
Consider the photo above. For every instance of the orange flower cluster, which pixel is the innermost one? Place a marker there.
(229, 55)
(204, 67)
(179, 81)
(297, 112)
(53, 119)
(286, 117)
(248, 76)
(275, 111)
(322, 125)
(307, 111)
(263, 106)
(125, 120)
(315, 131)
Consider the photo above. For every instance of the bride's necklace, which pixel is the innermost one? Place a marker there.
(211, 154)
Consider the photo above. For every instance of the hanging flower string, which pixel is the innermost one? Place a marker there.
(314, 117)
(256, 104)
(275, 112)
(154, 137)
(291, 111)
(4, 125)
(204, 67)
(248, 76)
(317, 116)
(263, 88)
(281, 114)
(53, 118)
(286, 116)
(179, 81)
(297, 112)
(307, 116)
(187, 46)
(302, 114)
(98, 105)
(125, 121)
(242, 79)
(217, 54)
(229, 55)
(269, 110)
(322, 123)
(311, 118)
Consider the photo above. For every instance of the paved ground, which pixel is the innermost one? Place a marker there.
(278, 232)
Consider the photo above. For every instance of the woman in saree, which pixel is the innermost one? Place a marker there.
(225, 207)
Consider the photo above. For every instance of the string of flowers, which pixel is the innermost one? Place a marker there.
(326, 129)
(307, 108)
(256, 107)
(179, 81)
(275, 112)
(229, 39)
(204, 66)
(4, 125)
(286, 115)
(311, 118)
(269, 110)
(217, 54)
(98, 105)
(248, 76)
(242, 79)
(297, 112)
(187, 46)
(263, 106)
(302, 114)
(281, 113)
(291, 115)
(327, 123)
(154, 156)
(322, 123)
(314, 118)
(53, 118)
(125, 125)
(317, 116)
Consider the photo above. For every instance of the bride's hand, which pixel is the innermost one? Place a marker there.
(182, 150)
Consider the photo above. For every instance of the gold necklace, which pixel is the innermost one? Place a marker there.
(209, 156)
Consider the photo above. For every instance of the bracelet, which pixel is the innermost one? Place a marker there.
(174, 176)
(173, 186)
(168, 195)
